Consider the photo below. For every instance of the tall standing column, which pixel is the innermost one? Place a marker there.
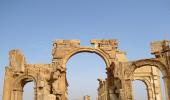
(128, 90)
(150, 93)
(167, 86)
(7, 85)
(17, 95)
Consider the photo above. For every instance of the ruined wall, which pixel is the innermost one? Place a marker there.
(50, 80)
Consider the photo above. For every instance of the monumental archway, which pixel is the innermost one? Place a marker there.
(51, 82)
(83, 70)
(64, 49)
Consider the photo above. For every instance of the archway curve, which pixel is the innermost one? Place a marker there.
(156, 63)
(99, 52)
(22, 80)
(144, 80)
(150, 62)
(146, 85)
(85, 51)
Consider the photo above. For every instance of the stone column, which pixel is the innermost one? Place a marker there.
(35, 93)
(63, 86)
(122, 97)
(128, 90)
(7, 85)
(150, 93)
(156, 86)
(167, 86)
(17, 94)
(112, 95)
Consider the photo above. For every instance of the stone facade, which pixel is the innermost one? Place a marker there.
(51, 83)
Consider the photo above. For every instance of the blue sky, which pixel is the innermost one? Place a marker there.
(32, 26)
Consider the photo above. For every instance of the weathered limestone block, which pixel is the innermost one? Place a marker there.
(121, 56)
(158, 47)
(106, 44)
(56, 83)
(109, 46)
(102, 90)
(57, 64)
(61, 47)
(67, 43)
(17, 60)
(48, 97)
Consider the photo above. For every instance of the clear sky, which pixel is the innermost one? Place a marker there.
(32, 26)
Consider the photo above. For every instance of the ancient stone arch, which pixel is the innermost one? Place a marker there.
(152, 62)
(19, 84)
(148, 87)
(150, 75)
(51, 81)
(161, 51)
(97, 51)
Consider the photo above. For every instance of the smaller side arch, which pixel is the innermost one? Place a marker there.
(23, 79)
(144, 80)
(148, 86)
(18, 85)
(150, 62)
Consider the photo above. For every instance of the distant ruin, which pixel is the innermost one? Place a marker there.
(87, 97)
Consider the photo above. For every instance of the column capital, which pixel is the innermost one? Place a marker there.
(19, 90)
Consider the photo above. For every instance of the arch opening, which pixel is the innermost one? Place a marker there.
(151, 62)
(83, 70)
(28, 91)
(25, 88)
(140, 90)
(98, 52)
(152, 77)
